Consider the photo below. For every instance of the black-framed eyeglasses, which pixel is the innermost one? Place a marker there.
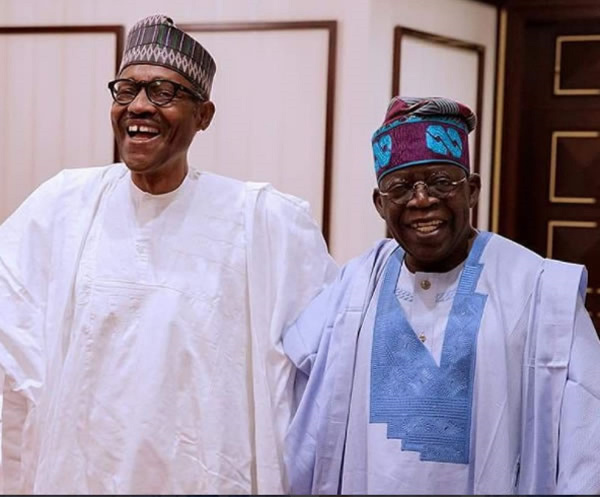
(159, 91)
(437, 187)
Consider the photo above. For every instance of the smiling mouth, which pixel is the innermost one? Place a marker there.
(426, 227)
(142, 132)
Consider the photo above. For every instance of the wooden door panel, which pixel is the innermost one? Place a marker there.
(577, 62)
(552, 193)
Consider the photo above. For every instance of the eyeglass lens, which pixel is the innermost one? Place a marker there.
(159, 92)
(437, 187)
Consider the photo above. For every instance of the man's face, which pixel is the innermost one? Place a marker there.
(433, 231)
(169, 129)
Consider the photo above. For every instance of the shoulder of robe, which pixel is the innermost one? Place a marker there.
(510, 276)
(219, 181)
(371, 261)
(86, 177)
(511, 258)
(520, 263)
(68, 189)
(507, 249)
(565, 277)
(274, 199)
(79, 181)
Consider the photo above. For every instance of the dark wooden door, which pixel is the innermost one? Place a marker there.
(551, 187)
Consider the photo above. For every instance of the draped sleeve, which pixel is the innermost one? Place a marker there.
(579, 428)
(288, 264)
(25, 252)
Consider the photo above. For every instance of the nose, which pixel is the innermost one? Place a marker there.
(420, 196)
(141, 104)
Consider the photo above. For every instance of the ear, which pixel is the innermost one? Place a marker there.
(378, 202)
(204, 114)
(474, 183)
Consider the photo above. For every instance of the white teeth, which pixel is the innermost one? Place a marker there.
(148, 129)
(134, 128)
(426, 226)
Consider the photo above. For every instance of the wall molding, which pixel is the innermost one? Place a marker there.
(117, 30)
(331, 27)
(479, 50)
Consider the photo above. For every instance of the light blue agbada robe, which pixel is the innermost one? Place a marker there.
(548, 441)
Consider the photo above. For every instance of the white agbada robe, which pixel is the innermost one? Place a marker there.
(535, 411)
(140, 334)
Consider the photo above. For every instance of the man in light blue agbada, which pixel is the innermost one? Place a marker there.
(447, 359)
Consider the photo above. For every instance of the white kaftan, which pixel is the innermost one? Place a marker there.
(534, 415)
(140, 334)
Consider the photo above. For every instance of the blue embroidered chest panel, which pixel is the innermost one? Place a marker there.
(425, 405)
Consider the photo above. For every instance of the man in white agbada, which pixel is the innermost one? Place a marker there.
(141, 304)
(446, 360)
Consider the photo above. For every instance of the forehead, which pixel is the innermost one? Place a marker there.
(422, 171)
(148, 72)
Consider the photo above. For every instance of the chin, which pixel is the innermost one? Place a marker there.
(431, 259)
(137, 164)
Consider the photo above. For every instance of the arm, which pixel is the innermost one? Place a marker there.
(25, 248)
(24, 272)
(579, 427)
(288, 264)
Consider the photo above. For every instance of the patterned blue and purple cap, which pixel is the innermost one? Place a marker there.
(156, 40)
(422, 131)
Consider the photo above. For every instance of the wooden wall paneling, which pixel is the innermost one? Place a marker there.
(518, 15)
(548, 189)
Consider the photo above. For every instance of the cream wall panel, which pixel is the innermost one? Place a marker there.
(56, 115)
(271, 110)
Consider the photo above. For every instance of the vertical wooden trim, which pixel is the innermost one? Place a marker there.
(479, 107)
(120, 48)
(331, 28)
(331, 77)
(499, 104)
(397, 51)
(400, 31)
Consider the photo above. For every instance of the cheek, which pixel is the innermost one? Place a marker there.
(393, 218)
(462, 219)
(115, 114)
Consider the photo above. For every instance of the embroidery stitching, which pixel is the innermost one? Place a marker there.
(405, 295)
(427, 406)
(444, 296)
(444, 141)
(382, 151)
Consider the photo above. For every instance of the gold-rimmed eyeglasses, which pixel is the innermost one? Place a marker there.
(402, 192)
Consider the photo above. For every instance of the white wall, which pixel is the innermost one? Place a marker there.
(363, 83)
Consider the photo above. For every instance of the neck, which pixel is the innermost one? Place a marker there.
(157, 183)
